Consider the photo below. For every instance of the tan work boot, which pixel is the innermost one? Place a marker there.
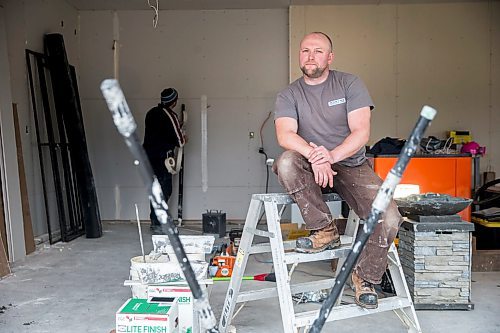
(366, 296)
(319, 240)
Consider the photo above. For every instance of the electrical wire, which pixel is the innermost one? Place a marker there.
(445, 150)
(263, 152)
(155, 18)
(262, 127)
(261, 149)
(267, 172)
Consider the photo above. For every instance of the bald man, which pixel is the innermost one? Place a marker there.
(322, 121)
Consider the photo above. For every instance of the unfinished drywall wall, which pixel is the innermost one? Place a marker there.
(9, 182)
(238, 58)
(444, 55)
(26, 24)
(494, 78)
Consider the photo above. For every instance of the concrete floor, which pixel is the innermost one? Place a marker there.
(78, 286)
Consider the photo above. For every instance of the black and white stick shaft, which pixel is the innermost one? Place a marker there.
(379, 206)
(180, 194)
(126, 125)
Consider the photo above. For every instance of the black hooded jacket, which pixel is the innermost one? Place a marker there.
(163, 132)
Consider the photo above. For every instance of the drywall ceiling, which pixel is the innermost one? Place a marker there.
(227, 4)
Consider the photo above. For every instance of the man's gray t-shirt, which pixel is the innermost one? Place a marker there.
(321, 110)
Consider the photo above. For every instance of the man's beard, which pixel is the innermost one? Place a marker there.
(314, 73)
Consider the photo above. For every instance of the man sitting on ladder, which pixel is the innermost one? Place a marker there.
(323, 121)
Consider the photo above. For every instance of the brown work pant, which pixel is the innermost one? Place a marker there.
(358, 186)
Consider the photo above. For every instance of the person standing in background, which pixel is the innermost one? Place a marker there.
(162, 135)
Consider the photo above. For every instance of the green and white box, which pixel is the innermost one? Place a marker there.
(188, 322)
(139, 316)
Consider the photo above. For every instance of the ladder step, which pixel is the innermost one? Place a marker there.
(266, 247)
(346, 241)
(295, 257)
(285, 199)
(253, 295)
(352, 310)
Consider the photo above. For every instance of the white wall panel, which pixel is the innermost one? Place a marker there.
(406, 54)
(10, 191)
(493, 149)
(56, 16)
(238, 58)
(96, 53)
(364, 44)
(415, 54)
(26, 24)
(444, 62)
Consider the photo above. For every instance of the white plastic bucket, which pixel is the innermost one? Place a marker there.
(191, 243)
(161, 270)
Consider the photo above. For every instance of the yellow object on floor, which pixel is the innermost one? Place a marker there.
(291, 231)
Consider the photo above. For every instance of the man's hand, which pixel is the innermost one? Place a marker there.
(319, 155)
(323, 174)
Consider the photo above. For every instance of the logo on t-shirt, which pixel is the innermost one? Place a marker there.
(336, 102)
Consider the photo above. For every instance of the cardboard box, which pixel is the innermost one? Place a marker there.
(188, 320)
(136, 315)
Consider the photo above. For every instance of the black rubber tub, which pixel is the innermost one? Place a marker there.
(431, 204)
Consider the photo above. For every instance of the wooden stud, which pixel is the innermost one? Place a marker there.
(29, 241)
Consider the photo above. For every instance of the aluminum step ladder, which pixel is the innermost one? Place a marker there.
(274, 205)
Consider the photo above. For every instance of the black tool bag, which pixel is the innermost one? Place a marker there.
(387, 146)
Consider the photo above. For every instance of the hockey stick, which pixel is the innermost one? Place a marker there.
(126, 125)
(379, 206)
(181, 171)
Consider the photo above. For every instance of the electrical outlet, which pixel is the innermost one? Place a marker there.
(251, 135)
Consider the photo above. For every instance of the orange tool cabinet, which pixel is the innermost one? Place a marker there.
(444, 174)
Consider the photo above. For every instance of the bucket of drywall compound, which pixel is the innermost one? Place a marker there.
(136, 264)
(191, 244)
(160, 270)
(191, 257)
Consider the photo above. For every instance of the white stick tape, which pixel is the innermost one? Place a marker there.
(384, 195)
(428, 112)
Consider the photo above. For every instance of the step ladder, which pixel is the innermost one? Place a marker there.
(274, 205)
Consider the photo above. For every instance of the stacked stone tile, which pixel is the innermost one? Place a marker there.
(436, 260)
